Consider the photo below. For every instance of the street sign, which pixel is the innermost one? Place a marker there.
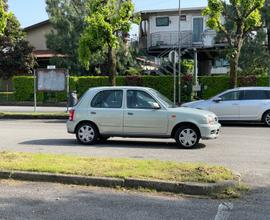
(51, 80)
(51, 67)
(173, 57)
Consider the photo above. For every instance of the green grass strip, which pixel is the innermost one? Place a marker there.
(118, 168)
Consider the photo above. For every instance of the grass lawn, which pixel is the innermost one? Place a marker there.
(33, 114)
(119, 168)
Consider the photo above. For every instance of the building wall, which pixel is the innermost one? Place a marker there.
(37, 36)
(173, 27)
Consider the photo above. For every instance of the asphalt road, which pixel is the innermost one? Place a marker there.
(245, 149)
(26, 200)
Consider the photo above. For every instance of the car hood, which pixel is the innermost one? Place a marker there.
(193, 104)
(192, 111)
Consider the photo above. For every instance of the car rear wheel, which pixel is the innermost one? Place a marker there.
(266, 118)
(87, 134)
(187, 137)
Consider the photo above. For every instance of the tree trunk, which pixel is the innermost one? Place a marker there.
(112, 65)
(234, 61)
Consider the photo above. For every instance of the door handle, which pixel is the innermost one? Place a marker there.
(130, 113)
(235, 104)
(93, 113)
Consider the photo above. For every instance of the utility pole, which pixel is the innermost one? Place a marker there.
(179, 53)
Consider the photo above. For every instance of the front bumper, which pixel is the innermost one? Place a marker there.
(210, 131)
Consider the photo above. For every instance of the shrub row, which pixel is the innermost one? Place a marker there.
(24, 85)
(24, 90)
(212, 85)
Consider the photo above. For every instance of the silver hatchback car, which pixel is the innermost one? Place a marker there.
(138, 112)
(241, 104)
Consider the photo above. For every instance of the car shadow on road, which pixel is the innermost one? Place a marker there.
(109, 144)
(244, 124)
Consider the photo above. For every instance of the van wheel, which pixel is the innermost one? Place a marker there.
(187, 137)
(266, 118)
(87, 134)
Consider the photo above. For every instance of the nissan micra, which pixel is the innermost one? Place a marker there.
(140, 112)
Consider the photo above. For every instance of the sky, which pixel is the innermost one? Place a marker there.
(30, 12)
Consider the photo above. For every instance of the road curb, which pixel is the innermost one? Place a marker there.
(33, 117)
(163, 186)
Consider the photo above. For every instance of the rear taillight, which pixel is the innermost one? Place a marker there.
(71, 115)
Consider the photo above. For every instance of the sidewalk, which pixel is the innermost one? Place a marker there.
(31, 109)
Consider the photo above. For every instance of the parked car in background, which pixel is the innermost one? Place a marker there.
(138, 112)
(240, 104)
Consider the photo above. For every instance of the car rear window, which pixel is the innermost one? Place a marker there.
(108, 99)
(256, 95)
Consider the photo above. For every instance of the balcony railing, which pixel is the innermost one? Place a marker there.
(170, 39)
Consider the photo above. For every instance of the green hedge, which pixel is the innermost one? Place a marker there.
(164, 84)
(24, 90)
(213, 85)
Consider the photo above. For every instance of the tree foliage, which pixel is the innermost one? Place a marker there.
(15, 52)
(4, 15)
(106, 22)
(254, 58)
(67, 18)
(235, 19)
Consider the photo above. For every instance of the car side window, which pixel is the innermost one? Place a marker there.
(255, 95)
(139, 99)
(108, 99)
(231, 96)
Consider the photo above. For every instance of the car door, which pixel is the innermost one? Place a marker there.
(107, 112)
(226, 106)
(253, 104)
(139, 116)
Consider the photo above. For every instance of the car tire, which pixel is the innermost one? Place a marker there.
(87, 134)
(266, 118)
(187, 137)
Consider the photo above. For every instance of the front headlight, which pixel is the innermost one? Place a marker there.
(211, 119)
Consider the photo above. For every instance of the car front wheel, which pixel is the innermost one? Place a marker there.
(266, 118)
(87, 134)
(187, 137)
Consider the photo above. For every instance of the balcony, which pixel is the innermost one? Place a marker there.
(170, 39)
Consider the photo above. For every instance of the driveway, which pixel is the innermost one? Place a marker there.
(243, 148)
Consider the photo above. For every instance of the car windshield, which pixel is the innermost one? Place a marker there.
(167, 102)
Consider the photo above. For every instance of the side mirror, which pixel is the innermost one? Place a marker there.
(217, 100)
(155, 105)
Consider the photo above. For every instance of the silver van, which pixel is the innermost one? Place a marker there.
(240, 104)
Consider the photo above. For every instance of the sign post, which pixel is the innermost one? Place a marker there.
(174, 57)
(35, 91)
(68, 89)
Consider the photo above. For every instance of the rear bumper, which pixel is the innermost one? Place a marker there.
(210, 131)
(71, 127)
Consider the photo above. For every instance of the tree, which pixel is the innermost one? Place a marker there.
(15, 52)
(254, 58)
(67, 18)
(241, 17)
(106, 22)
(3, 16)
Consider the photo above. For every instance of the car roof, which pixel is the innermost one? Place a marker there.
(119, 87)
(250, 88)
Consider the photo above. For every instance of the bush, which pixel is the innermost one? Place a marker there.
(24, 90)
(86, 82)
(218, 84)
(212, 85)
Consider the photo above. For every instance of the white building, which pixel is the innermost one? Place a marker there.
(159, 33)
